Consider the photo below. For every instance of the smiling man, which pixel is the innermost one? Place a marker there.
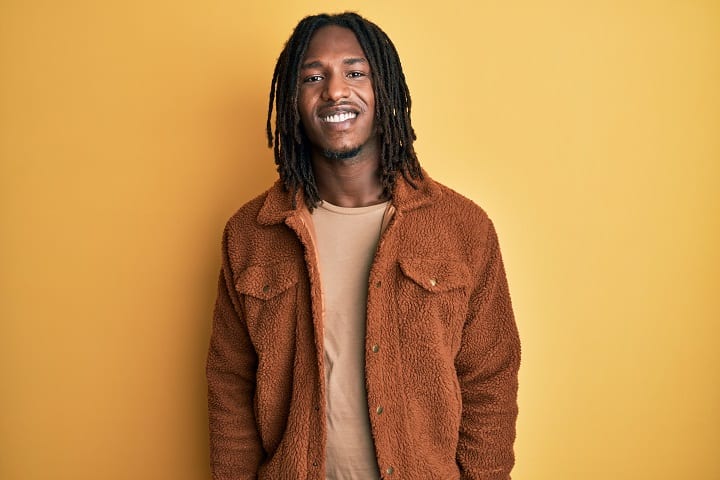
(363, 327)
(337, 102)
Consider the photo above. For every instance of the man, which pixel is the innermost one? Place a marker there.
(363, 327)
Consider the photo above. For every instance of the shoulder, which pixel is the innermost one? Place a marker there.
(246, 216)
(454, 209)
(449, 225)
(460, 204)
(257, 234)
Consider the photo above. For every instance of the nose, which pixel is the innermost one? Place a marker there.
(336, 88)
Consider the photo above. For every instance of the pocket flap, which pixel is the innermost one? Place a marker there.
(436, 275)
(266, 281)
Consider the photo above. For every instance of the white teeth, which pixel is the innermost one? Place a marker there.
(339, 117)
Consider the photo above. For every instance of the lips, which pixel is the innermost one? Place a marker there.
(339, 117)
(338, 113)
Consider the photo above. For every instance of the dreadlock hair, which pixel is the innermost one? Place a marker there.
(392, 108)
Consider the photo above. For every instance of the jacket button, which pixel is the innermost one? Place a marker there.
(390, 470)
(314, 464)
(433, 282)
(376, 348)
(379, 410)
(378, 284)
(266, 288)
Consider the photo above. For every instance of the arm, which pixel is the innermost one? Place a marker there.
(235, 448)
(487, 367)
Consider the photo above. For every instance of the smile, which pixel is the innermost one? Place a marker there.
(339, 117)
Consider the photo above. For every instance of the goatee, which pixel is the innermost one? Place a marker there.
(344, 155)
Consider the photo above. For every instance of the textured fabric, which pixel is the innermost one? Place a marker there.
(346, 239)
(441, 345)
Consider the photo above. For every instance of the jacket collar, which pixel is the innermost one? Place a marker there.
(278, 203)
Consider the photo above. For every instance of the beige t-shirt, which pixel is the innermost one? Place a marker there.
(346, 242)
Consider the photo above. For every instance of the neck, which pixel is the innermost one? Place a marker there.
(351, 183)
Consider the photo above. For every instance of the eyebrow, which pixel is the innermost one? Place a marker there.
(347, 61)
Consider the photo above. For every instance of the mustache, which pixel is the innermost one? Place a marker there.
(331, 108)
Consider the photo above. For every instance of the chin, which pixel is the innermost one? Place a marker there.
(345, 154)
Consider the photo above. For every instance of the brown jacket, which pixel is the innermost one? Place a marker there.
(442, 349)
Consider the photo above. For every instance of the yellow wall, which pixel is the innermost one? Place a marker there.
(131, 130)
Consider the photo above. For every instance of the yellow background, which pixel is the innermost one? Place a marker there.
(131, 130)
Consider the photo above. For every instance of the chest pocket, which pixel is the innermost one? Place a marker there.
(433, 301)
(436, 275)
(269, 298)
(266, 281)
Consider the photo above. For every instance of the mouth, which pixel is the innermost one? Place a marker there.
(338, 113)
(338, 117)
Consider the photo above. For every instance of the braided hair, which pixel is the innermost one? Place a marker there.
(392, 108)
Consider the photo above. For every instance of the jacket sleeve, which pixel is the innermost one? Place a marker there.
(235, 448)
(487, 367)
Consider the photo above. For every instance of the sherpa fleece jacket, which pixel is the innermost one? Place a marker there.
(442, 348)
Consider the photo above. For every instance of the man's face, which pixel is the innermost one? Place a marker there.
(336, 99)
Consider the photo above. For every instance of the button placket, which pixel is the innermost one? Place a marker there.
(374, 348)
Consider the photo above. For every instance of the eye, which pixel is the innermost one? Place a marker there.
(312, 79)
(357, 74)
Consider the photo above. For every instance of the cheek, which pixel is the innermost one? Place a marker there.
(303, 115)
(302, 108)
(370, 100)
(304, 104)
(306, 122)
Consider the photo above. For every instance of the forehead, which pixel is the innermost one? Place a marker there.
(333, 41)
